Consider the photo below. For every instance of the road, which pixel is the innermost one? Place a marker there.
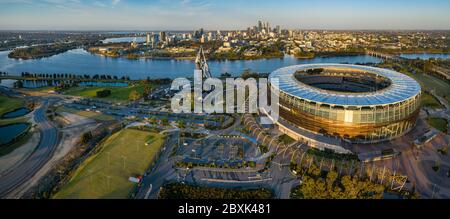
(47, 144)
(162, 170)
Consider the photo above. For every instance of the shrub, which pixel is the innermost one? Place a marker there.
(435, 167)
(103, 93)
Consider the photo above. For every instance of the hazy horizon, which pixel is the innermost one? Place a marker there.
(185, 15)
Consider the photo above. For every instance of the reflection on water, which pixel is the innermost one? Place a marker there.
(426, 56)
(9, 132)
(79, 61)
(125, 40)
(16, 113)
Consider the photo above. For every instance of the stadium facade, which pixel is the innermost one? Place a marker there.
(359, 104)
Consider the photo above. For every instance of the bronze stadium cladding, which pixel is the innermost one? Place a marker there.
(351, 131)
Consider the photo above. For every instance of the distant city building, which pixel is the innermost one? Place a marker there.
(278, 29)
(162, 36)
(155, 40)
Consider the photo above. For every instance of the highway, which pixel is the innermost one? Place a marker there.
(47, 144)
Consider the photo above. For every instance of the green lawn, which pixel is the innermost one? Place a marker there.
(104, 175)
(8, 104)
(118, 94)
(286, 139)
(429, 101)
(84, 113)
(441, 87)
(45, 89)
(13, 120)
(429, 82)
(438, 123)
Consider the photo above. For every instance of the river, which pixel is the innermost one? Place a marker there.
(426, 56)
(79, 61)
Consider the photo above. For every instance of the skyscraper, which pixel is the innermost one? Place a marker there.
(147, 41)
(162, 36)
(278, 29)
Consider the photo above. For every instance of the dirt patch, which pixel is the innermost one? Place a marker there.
(69, 137)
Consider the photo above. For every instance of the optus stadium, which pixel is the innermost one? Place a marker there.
(358, 104)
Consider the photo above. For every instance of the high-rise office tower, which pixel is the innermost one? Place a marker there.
(278, 29)
(162, 36)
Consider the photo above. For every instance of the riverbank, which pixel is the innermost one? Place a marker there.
(41, 51)
(178, 57)
(81, 62)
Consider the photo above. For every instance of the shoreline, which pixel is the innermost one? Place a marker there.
(189, 58)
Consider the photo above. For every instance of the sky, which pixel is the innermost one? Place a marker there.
(222, 14)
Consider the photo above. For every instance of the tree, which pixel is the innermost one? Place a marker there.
(331, 186)
(165, 121)
(147, 87)
(153, 120)
(103, 93)
(18, 84)
(86, 137)
(181, 124)
(134, 95)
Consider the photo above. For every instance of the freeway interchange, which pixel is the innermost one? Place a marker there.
(42, 153)
(226, 146)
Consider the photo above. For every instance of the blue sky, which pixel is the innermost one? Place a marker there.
(222, 14)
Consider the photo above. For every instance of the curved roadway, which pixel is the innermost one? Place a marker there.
(48, 142)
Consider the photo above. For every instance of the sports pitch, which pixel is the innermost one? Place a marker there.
(105, 174)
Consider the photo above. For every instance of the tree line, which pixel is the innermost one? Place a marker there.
(74, 76)
(184, 191)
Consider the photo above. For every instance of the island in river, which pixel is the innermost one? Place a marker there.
(41, 51)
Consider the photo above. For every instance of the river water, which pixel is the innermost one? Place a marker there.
(425, 56)
(79, 61)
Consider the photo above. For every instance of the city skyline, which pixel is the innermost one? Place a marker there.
(237, 99)
(229, 15)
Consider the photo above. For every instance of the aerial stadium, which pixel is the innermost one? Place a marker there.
(358, 104)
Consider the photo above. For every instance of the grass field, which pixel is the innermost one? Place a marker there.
(105, 174)
(88, 114)
(8, 104)
(429, 101)
(438, 123)
(426, 81)
(13, 120)
(39, 89)
(429, 82)
(118, 94)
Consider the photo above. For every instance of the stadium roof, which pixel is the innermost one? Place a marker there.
(402, 87)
